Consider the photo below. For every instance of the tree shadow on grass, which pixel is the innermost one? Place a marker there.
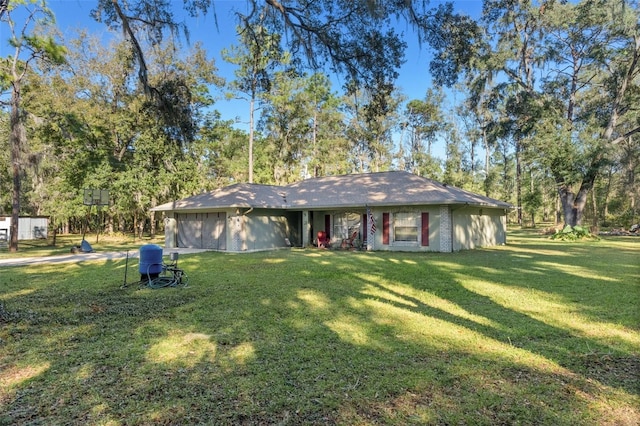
(254, 343)
(503, 285)
(590, 277)
(581, 355)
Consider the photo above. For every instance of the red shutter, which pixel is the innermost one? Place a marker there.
(425, 229)
(365, 228)
(327, 225)
(385, 228)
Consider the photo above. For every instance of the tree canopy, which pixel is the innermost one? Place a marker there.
(532, 102)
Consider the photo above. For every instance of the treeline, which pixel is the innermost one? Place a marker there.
(547, 118)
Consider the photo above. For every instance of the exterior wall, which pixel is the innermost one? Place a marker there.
(29, 228)
(170, 231)
(235, 233)
(295, 228)
(259, 230)
(434, 243)
(450, 228)
(475, 227)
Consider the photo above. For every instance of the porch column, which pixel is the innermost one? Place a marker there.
(446, 236)
(306, 229)
(371, 230)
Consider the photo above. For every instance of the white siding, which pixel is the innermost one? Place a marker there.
(29, 228)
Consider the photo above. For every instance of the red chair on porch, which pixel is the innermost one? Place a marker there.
(350, 242)
(323, 239)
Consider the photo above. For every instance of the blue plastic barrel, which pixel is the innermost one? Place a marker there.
(150, 261)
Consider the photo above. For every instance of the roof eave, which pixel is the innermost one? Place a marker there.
(185, 209)
(209, 208)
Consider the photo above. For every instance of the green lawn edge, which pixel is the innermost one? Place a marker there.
(533, 332)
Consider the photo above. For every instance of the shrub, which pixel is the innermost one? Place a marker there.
(574, 233)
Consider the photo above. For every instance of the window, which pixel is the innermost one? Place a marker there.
(345, 224)
(405, 227)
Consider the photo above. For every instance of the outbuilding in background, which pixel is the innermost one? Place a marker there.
(29, 227)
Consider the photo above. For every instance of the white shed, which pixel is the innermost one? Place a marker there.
(29, 227)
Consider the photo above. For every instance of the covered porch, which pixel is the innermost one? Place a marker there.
(347, 228)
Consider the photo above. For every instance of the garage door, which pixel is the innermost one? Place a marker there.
(202, 230)
(213, 231)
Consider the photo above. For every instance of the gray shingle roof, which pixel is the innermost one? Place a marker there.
(380, 189)
(242, 195)
(396, 188)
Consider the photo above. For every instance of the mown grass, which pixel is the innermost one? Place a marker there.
(534, 332)
(64, 243)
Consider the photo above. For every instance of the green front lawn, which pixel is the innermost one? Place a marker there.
(535, 332)
(64, 243)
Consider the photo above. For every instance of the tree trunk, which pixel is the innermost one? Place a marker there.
(519, 181)
(16, 139)
(314, 136)
(595, 212)
(135, 226)
(251, 135)
(152, 224)
(472, 156)
(573, 204)
(487, 160)
(607, 196)
(567, 198)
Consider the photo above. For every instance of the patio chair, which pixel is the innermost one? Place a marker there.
(350, 242)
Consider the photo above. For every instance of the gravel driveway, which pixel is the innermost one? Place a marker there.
(83, 257)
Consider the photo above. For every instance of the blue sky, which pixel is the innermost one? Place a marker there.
(414, 77)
